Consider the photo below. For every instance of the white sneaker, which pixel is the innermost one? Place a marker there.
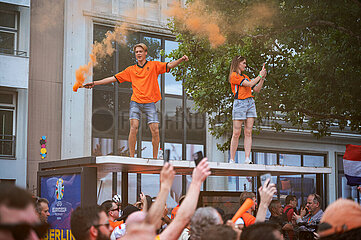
(231, 161)
(248, 161)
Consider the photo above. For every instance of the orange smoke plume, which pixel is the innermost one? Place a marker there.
(99, 51)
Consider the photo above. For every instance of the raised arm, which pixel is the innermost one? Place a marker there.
(166, 180)
(100, 82)
(177, 62)
(189, 204)
(259, 86)
(266, 193)
(262, 74)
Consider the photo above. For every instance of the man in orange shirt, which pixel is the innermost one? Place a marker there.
(144, 79)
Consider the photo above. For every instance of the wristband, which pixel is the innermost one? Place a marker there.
(260, 76)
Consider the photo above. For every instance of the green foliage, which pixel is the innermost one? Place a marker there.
(313, 56)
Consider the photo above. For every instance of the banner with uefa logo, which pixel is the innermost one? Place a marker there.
(64, 195)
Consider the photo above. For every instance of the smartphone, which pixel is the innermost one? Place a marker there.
(264, 177)
(166, 155)
(197, 157)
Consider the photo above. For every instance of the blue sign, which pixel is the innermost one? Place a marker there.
(63, 193)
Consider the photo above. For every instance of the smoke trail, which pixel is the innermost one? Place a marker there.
(99, 51)
(205, 21)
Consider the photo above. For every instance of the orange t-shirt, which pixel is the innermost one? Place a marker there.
(248, 219)
(236, 81)
(115, 224)
(144, 80)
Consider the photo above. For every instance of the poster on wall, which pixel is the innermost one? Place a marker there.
(63, 193)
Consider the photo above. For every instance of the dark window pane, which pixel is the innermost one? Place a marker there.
(6, 98)
(7, 19)
(313, 161)
(340, 162)
(290, 185)
(7, 42)
(103, 114)
(173, 119)
(123, 108)
(195, 124)
(7, 139)
(154, 46)
(105, 66)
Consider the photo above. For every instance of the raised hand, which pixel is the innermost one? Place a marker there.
(202, 171)
(167, 176)
(185, 58)
(266, 192)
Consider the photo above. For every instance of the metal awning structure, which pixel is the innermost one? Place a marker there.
(107, 164)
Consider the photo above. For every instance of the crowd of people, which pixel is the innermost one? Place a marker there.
(24, 217)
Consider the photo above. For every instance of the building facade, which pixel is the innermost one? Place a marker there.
(14, 84)
(95, 122)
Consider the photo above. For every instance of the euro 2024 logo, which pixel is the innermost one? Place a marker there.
(59, 190)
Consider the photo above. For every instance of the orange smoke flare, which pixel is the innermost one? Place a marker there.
(245, 206)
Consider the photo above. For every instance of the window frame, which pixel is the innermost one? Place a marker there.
(12, 108)
(14, 30)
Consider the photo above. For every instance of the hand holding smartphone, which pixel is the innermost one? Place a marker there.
(264, 177)
(197, 157)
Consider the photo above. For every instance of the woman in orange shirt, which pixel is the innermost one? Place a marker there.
(244, 108)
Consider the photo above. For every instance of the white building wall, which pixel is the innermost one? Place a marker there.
(14, 74)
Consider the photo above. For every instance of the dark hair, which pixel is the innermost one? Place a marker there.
(246, 195)
(14, 197)
(216, 232)
(290, 198)
(260, 230)
(82, 219)
(38, 202)
(107, 205)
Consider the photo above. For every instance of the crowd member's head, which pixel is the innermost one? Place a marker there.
(275, 208)
(18, 218)
(111, 209)
(90, 223)
(219, 232)
(250, 195)
(341, 220)
(42, 209)
(202, 218)
(262, 231)
(127, 211)
(313, 203)
(291, 200)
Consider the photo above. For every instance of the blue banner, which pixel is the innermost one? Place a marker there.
(63, 193)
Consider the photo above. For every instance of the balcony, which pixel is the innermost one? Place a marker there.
(14, 69)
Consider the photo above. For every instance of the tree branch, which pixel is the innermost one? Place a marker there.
(310, 25)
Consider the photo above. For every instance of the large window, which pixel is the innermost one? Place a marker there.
(8, 29)
(7, 124)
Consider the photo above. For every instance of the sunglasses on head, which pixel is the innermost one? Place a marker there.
(21, 230)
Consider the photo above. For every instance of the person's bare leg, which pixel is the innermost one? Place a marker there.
(132, 139)
(248, 137)
(237, 128)
(154, 129)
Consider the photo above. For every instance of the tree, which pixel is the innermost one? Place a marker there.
(312, 50)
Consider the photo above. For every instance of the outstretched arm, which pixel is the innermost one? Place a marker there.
(266, 193)
(100, 82)
(262, 74)
(166, 180)
(259, 86)
(189, 204)
(177, 62)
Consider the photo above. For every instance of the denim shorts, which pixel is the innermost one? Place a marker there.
(148, 108)
(243, 109)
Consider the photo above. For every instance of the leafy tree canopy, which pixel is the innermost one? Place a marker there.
(312, 50)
